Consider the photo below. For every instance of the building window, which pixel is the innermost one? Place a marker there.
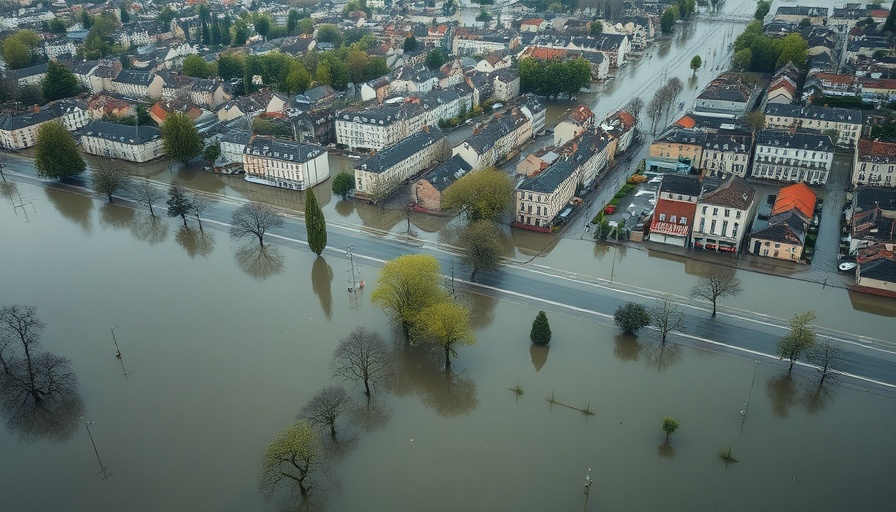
(712, 226)
(715, 211)
(737, 214)
(702, 224)
(673, 219)
(662, 217)
(727, 212)
(684, 220)
(724, 228)
(704, 210)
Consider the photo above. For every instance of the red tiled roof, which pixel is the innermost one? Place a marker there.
(869, 147)
(686, 122)
(798, 196)
(541, 53)
(669, 208)
(532, 21)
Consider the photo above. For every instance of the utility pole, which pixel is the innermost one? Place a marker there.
(587, 487)
(103, 468)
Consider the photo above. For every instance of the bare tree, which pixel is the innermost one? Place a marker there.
(826, 355)
(670, 91)
(18, 325)
(198, 205)
(325, 407)
(716, 282)
(654, 110)
(254, 219)
(107, 179)
(362, 356)
(634, 107)
(146, 194)
(667, 316)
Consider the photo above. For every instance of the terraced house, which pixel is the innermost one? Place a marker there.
(20, 131)
(495, 140)
(726, 152)
(284, 163)
(723, 215)
(796, 157)
(846, 122)
(133, 143)
(875, 163)
(385, 171)
(540, 198)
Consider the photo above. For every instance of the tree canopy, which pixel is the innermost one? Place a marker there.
(254, 219)
(180, 139)
(362, 356)
(315, 224)
(406, 286)
(762, 8)
(484, 194)
(800, 340)
(480, 242)
(541, 329)
(716, 282)
(20, 50)
(447, 324)
(343, 183)
(59, 82)
(768, 54)
(56, 154)
(196, 66)
(696, 62)
(434, 59)
(554, 77)
(179, 204)
(668, 18)
(631, 317)
(291, 457)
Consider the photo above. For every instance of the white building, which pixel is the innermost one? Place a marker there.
(723, 215)
(285, 164)
(380, 174)
(784, 156)
(875, 163)
(496, 140)
(233, 145)
(133, 143)
(20, 131)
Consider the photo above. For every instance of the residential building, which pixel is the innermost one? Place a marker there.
(621, 127)
(20, 131)
(204, 92)
(372, 128)
(233, 146)
(133, 143)
(285, 164)
(784, 235)
(676, 150)
(507, 84)
(382, 173)
(496, 140)
(138, 84)
(875, 162)
(32, 75)
(532, 25)
(469, 42)
(876, 272)
(539, 199)
(676, 204)
(846, 122)
(796, 14)
(259, 102)
(494, 61)
(726, 152)
(590, 154)
(872, 218)
(723, 216)
(798, 156)
(427, 192)
(572, 123)
(535, 110)
(59, 47)
(727, 96)
(314, 126)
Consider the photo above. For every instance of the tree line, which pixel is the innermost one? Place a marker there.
(554, 77)
(663, 100)
(754, 51)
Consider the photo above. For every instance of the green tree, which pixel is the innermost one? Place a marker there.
(231, 66)
(262, 25)
(756, 120)
(99, 40)
(20, 49)
(211, 152)
(357, 61)
(57, 26)
(541, 329)
(254, 219)
(630, 317)
(292, 21)
(800, 339)
(328, 33)
(180, 139)
(484, 194)
(343, 183)
(480, 242)
(194, 65)
(291, 456)
(791, 48)
(179, 204)
(434, 59)
(166, 16)
(315, 224)
(742, 60)
(716, 282)
(762, 8)
(667, 316)
(596, 27)
(108, 180)
(59, 82)
(447, 324)
(123, 14)
(670, 425)
(667, 20)
(410, 44)
(696, 62)
(483, 16)
(325, 407)
(216, 33)
(890, 23)
(406, 286)
(56, 154)
(305, 26)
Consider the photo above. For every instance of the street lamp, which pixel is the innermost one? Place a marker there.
(587, 487)
(92, 442)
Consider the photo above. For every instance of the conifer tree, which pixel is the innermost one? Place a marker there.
(315, 223)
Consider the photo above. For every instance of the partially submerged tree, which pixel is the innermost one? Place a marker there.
(180, 139)
(447, 324)
(541, 329)
(481, 245)
(254, 219)
(667, 316)
(630, 317)
(179, 204)
(315, 224)
(56, 155)
(108, 180)
(634, 107)
(483, 195)
(147, 194)
(670, 425)
(362, 357)
(198, 205)
(20, 328)
(826, 356)
(343, 183)
(696, 62)
(406, 286)
(716, 282)
(292, 456)
(325, 407)
(800, 339)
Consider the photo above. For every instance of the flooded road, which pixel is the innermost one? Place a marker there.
(222, 345)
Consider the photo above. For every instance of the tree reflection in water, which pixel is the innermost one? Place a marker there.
(370, 414)
(666, 450)
(539, 355)
(816, 398)
(661, 356)
(116, 216)
(419, 371)
(149, 229)
(627, 348)
(260, 262)
(73, 207)
(782, 391)
(345, 208)
(321, 283)
(195, 242)
(51, 408)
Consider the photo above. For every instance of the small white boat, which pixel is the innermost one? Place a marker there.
(354, 157)
(846, 266)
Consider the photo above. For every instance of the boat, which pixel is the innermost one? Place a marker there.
(847, 266)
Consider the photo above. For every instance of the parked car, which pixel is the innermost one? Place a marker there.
(609, 210)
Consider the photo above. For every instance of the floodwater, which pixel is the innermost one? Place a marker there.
(223, 344)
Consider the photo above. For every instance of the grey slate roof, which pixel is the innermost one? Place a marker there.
(788, 227)
(839, 115)
(685, 185)
(39, 69)
(733, 142)
(283, 149)
(400, 151)
(241, 137)
(813, 141)
(46, 113)
(549, 179)
(444, 175)
(732, 193)
(496, 128)
(130, 76)
(121, 133)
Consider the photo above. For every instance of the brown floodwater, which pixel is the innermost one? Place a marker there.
(223, 344)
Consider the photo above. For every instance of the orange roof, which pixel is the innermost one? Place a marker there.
(798, 196)
(686, 122)
(542, 53)
(835, 78)
(871, 148)
(532, 21)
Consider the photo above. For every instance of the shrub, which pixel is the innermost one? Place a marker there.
(630, 317)
(541, 330)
